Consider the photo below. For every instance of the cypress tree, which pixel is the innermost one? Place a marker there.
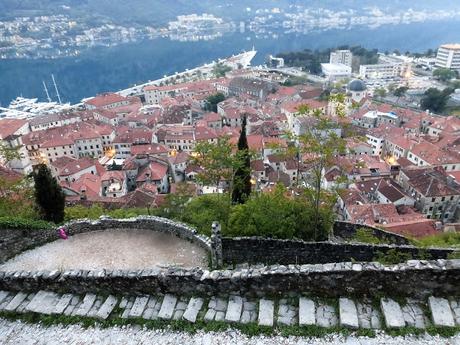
(49, 197)
(242, 177)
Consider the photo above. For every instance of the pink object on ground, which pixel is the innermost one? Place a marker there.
(63, 234)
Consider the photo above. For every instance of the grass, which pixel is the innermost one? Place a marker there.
(250, 329)
(444, 240)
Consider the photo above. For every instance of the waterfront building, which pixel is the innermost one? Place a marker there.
(448, 56)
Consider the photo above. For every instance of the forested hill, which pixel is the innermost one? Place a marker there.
(161, 11)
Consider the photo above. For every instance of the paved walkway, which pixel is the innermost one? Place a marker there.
(111, 249)
(343, 312)
(17, 333)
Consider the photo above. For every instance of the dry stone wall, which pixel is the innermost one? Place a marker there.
(255, 250)
(415, 279)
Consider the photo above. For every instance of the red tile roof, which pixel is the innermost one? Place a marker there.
(105, 99)
(10, 126)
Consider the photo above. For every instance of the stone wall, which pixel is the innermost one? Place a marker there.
(14, 242)
(347, 230)
(255, 250)
(416, 279)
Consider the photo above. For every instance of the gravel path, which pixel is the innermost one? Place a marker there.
(111, 249)
(17, 333)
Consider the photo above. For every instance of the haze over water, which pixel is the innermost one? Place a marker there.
(102, 69)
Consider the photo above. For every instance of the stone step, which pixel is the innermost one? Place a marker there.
(193, 308)
(167, 307)
(368, 316)
(152, 308)
(85, 306)
(139, 306)
(287, 313)
(94, 309)
(44, 302)
(107, 307)
(234, 309)
(307, 312)
(3, 296)
(249, 313)
(63, 303)
(455, 306)
(180, 308)
(326, 315)
(21, 308)
(441, 312)
(414, 315)
(72, 305)
(392, 313)
(348, 313)
(266, 312)
(16, 301)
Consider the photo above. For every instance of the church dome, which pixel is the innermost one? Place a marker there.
(356, 86)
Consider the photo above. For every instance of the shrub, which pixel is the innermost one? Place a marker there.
(96, 210)
(364, 235)
(201, 211)
(447, 239)
(24, 224)
(392, 257)
(279, 216)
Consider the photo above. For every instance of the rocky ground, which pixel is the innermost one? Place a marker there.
(18, 333)
(111, 249)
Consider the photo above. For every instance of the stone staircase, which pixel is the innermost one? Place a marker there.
(303, 311)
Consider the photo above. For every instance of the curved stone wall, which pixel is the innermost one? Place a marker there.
(14, 242)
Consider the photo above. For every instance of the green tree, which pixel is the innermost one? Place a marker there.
(278, 214)
(444, 74)
(380, 92)
(49, 197)
(216, 161)
(321, 144)
(242, 177)
(9, 153)
(175, 203)
(213, 100)
(435, 100)
(203, 210)
(400, 91)
(219, 70)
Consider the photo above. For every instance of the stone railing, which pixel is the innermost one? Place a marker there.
(347, 230)
(416, 279)
(14, 242)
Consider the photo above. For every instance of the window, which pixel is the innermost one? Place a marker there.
(443, 198)
(433, 199)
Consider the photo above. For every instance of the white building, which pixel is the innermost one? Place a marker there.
(380, 71)
(344, 57)
(448, 56)
(335, 71)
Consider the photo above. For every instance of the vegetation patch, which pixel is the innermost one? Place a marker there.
(24, 224)
(250, 329)
(364, 235)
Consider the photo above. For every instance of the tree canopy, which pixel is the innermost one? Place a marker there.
(444, 74)
(49, 197)
(242, 178)
(213, 100)
(435, 100)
